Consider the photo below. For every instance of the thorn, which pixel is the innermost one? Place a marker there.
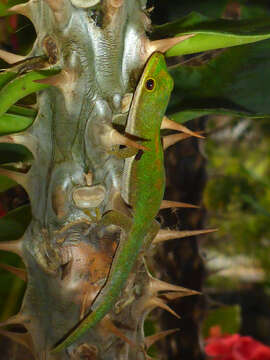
(112, 137)
(156, 285)
(12, 246)
(20, 338)
(170, 296)
(109, 325)
(165, 235)
(86, 301)
(156, 302)
(175, 204)
(170, 140)
(25, 139)
(23, 9)
(20, 273)
(10, 58)
(151, 340)
(14, 320)
(172, 125)
(60, 80)
(126, 102)
(18, 177)
(164, 45)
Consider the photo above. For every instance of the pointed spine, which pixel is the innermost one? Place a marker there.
(14, 246)
(165, 235)
(18, 177)
(25, 139)
(61, 80)
(156, 302)
(170, 140)
(109, 325)
(166, 204)
(20, 273)
(151, 340)
(172, 125)
(164, 45)
(155, 286)
(15, 320)
(112, 137)
(170, 296)
(22, 9)
(10, 58)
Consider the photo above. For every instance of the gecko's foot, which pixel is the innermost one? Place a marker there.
(96, 218)
(123, 153)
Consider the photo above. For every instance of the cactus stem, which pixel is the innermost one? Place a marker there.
(18, 177)
(84, 3)
(156, 302)
(151, 340)
(165, 235)
(170, 140)
(23, 9)
(164, 45)
(61, 11)
(20, 338)
(24, 139)
(9, 57)
(116, 3)
(20, 273)
(156, 285)
(172, 125)
(175, 204)
(14, 246)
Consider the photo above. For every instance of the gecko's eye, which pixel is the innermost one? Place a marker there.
(150, 84)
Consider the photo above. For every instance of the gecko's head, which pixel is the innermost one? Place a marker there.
(157, 79)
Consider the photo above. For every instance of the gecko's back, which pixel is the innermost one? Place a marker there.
(148, 108)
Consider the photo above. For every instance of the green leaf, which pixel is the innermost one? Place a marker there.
(227, 317)
(212, 34)
(10, 153)
(14, 224)
(6, 183)
(21, 110)
(237, 79)
(5, 77)
(10, 123)
(21, 87)
(189, 114)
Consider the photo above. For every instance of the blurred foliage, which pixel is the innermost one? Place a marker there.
(238, 192)
(227, 317)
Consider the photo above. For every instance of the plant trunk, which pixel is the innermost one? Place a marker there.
(101, 52)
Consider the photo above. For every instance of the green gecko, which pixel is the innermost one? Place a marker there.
(142, 188)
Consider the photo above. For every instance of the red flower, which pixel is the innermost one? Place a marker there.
(235, 347)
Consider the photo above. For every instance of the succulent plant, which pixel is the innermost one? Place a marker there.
(85, 65)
